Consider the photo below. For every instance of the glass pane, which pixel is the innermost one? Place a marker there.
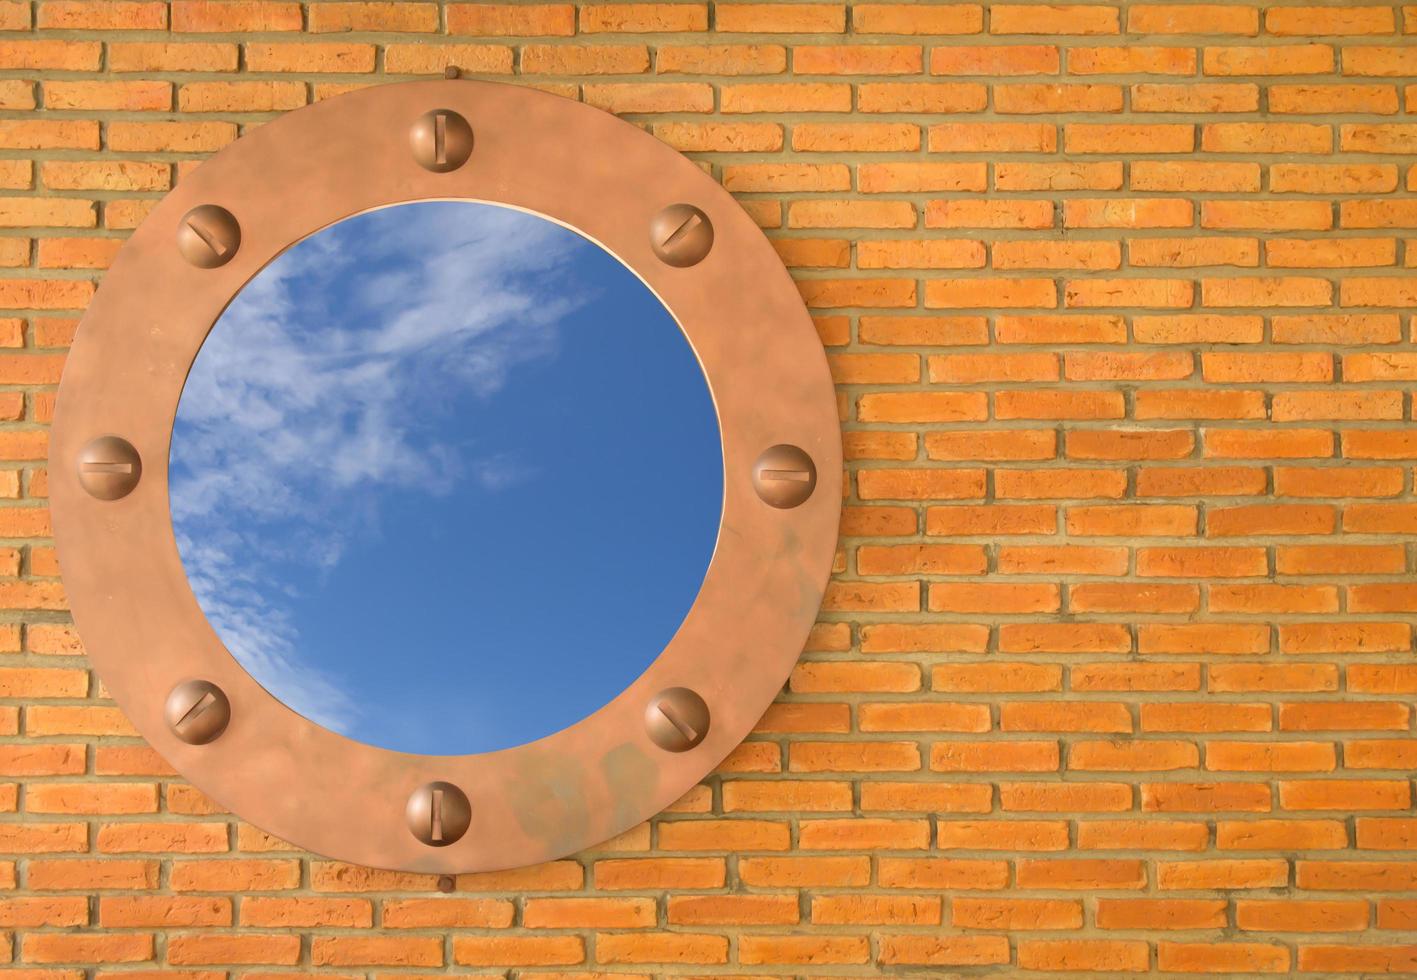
(446, 477)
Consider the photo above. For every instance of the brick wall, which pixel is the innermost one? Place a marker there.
(1115, 674)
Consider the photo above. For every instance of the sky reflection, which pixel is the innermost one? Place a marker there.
(446, 477)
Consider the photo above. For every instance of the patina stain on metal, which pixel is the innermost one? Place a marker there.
(286, 179)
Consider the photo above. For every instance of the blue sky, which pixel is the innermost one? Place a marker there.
(446, 477)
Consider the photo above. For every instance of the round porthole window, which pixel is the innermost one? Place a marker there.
(437, 499)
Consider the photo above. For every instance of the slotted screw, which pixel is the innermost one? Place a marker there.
(441, 140)
(109, 467)
(197, 712)
(784, 476)
(681, 235)
(438, 814)
(677, 719)
(208, 236)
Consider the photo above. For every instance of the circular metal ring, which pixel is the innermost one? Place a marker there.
(741, 314)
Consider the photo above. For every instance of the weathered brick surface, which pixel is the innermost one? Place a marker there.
(1116, 672)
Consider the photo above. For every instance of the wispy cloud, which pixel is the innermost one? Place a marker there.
(316, 385)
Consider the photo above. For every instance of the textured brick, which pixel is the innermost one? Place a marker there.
(1115, 654)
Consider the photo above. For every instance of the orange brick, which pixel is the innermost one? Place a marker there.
(1063, 637)
(721, 59)
(1016, 914)
(512, 19)
(42, 947)
(432, 59)
(1130, 677)
(1365, 957)
(640, 873)
(170, 137)
(944, 950)
(879, 59)
(992, 138)
(377, 951)
(235, 875)
(990, 60)
(66, 874)
(765, 18)
(1378, 60)
(1277, 677)
(698, 910)
(850, 214)
(1255, 915)
(855, 137)
(1267, 215)
(44, 134)
(897, 177)
(267, 96)
(872, 910)
(1285, 59)
(1057, 176)
(798, 872)
(309, 57)
(855, 757)
(1124, 597)
(1064, 717)
(787, 97)
(130, 96)
(901, 18)
(43, 54)
(223, 16)
(1096, 292)
(1160, 913)
(1314, 99)
(364, 16)
(1335, 178)
(649, 948)
(1162, 835)
(124, 15)
(1286, 835)
(983, 293)
(314, 912)
(1131, 59)
(1129, 138)
(519, 950)
(1053, 19)
(1205, 97)
(1266, 138)
(1221, 874)
(150, 56)
(1344, 794)
(1024, 98)
(1222, 957)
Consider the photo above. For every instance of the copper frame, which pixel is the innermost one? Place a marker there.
(740, 311)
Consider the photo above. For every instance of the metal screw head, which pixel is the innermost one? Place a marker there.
(677, 719)
(681, 235)
(784, 476)
(208, 236)
(197, 712)
(438, 814)
(441, 140)
(109, 467)
(452, 71)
